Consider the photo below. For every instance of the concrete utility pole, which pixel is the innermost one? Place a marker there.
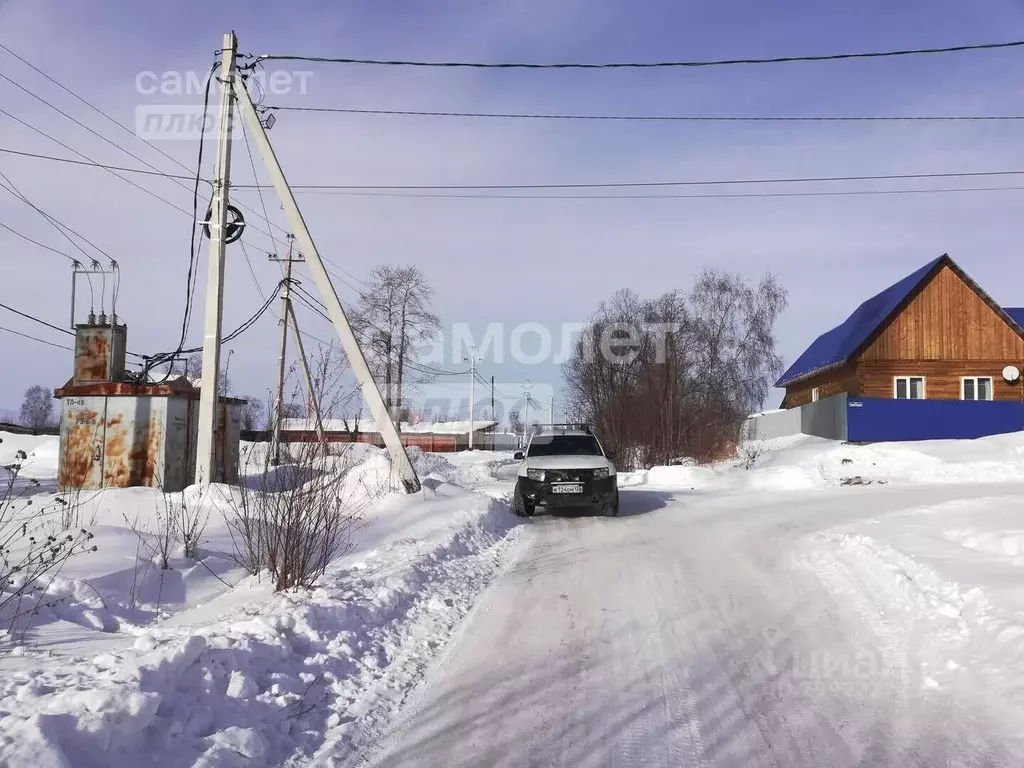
(209, 389)
(492, 401)
(286, 303)
(551, 410)
(472, 360)
(371, 393)
(527, 387)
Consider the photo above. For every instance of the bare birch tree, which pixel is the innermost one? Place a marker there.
(675, 376)
(394, 317)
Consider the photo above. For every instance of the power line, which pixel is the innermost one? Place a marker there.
(79, 123)
(94, 108)
(37, 320)
(41, 245)
(110, 169)
(640, 184)
(315, 305)
(670, 196)
(57, 224)
(89, 163)
(587, 185)
(643, 65)
(33, 338)
(119, 124)
(653, 118)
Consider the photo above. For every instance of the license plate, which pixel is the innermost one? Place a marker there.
(567, 488)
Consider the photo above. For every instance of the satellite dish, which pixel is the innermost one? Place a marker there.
(1011, 373)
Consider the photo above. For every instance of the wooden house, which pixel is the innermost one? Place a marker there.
(934, 335)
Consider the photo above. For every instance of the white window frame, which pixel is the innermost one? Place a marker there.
(908, 377)
(991, 386)
(814, 394)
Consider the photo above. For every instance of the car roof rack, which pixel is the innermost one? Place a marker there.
(566, 427)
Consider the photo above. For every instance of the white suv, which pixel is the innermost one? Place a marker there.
(564, 465)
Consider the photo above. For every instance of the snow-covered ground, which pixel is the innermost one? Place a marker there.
(809, 603)
(831, 605)
(127, 664)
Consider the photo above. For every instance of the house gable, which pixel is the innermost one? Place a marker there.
(947, 317)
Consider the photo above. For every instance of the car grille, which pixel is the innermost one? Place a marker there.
(568, 475)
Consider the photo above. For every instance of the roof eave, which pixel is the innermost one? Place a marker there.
(809, 374)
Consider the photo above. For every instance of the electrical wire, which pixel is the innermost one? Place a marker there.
(354, 189)
(79, 123)
(653, 118)
(13, 189)
(36, 319)
(165, 357)
(87, 162)
(34, 338)
(252, 164)
(659, 184)
(60, 224)
(644, 65)
(119, 124)
(193, 244)
(96, 109)
(70, 258)
(112, 169)
(670, 196)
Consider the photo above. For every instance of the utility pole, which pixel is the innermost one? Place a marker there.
(527, 387)
(472, 360)
(371, 392)
(492, 401)
(209, 389)
(551, 410)
(286, 304)
(314, 402)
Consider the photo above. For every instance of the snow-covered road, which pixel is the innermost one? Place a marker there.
(695, 631)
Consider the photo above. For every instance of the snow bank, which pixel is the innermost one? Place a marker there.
(42, 451)
(940, 586)
(804, 462)
(134, 665)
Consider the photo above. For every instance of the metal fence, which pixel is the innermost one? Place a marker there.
(872, 419)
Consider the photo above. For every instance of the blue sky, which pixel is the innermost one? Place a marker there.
(514, 261)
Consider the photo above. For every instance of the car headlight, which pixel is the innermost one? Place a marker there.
(601, 473)
(535, 474)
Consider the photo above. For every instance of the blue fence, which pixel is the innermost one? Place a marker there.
(870, 419)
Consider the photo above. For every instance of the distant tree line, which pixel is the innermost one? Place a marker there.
(676, 376)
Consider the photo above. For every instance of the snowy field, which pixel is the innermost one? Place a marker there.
(809, 603)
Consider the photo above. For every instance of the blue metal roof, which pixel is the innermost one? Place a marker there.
(1016, 314)
(836, 346)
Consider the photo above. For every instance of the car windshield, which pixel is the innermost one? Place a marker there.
(564, 445)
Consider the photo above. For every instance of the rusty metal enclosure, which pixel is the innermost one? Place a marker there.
(117, 434)
(142, 439)
(99, 353)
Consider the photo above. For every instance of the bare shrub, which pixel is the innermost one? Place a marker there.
(189, 518)
(154, 542)
(749, 452)
(33, 544)
(293, 519)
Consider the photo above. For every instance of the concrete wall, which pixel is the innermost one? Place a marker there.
(825, 418)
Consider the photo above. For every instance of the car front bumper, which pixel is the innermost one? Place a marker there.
(595, 492)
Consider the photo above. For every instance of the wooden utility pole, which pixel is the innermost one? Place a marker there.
(286, 304)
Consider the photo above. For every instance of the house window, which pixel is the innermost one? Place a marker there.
(908, 387)
(814, 395)
(976, 388)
